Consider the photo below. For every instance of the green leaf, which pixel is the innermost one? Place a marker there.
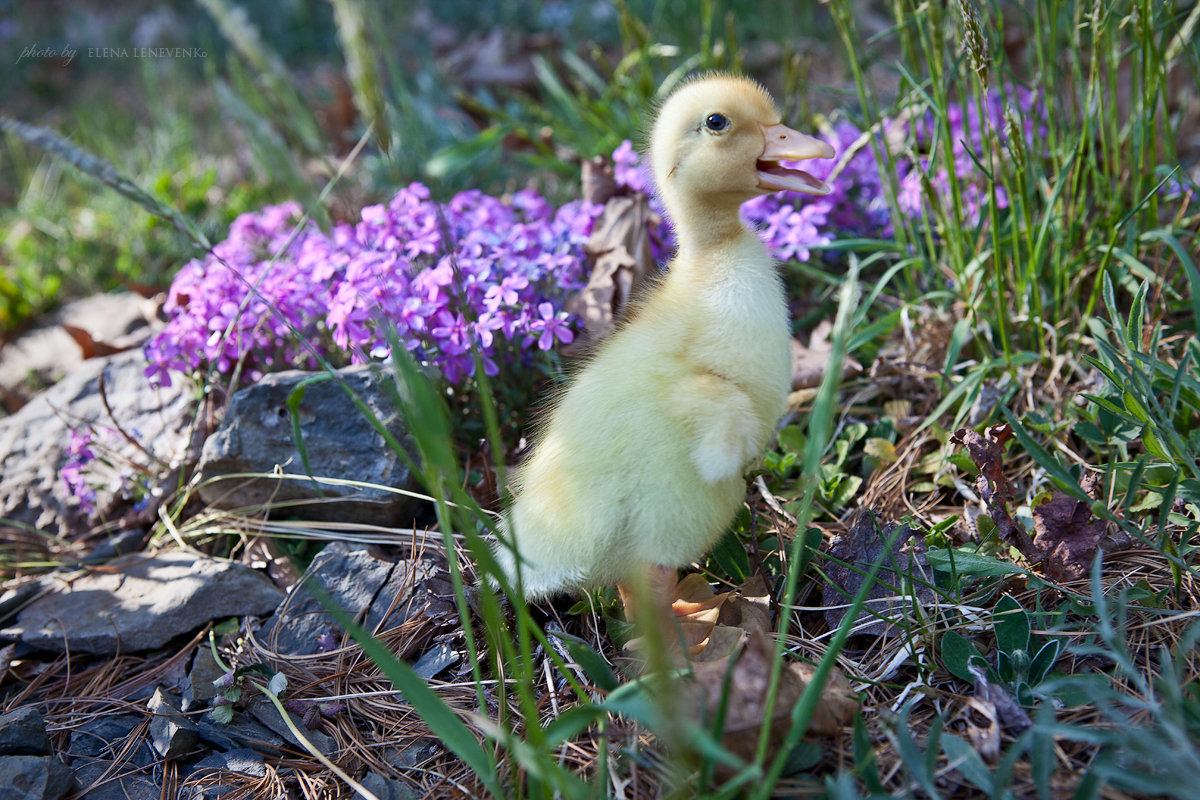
(278, 684)
(222, 714)
(964, 758)
(460, 155)
(802, 758)
(1044, 661)
(592, 663)
(1056, 471)
(730, 555)
(866, 765)
(957, 651)
(791, 437)
(966, 562)
(1011, 625)
(572, 722)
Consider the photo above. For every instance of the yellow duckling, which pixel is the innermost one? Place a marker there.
(638, 468)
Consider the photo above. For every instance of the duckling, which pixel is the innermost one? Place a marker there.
(638, 467)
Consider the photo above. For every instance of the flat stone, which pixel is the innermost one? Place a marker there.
(265, 712)
(256, 436)
(240, 734)
(171, 733)
(109, 784)
(200, 689)
(34, 778)
(414, 755)
(356, 580)
(23, 733)
(44, 354)
(34, 441)
(386, 788)
(434, 660)
(142, 603)
(105, 737)
(242, 762)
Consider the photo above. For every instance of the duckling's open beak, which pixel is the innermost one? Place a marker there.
(781, 143)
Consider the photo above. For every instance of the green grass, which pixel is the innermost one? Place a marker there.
(1074, 309)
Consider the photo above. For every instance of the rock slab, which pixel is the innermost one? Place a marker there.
(34, 778)
(34, 441)
(142, 602)
(357, 580)
(256, 436)
(23, 733)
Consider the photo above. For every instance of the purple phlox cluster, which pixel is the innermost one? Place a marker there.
(80, 454)
(468, 277)
(968, 129)
(91, 467)
(472, 276)
(241, 301)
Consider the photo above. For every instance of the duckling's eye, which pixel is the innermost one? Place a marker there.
(716, 123)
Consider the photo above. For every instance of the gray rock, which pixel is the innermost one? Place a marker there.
(142, 603)
(23, 733)
(100, 781)
(171, 733)
(356, 580)
(206, 779)
(435, 660)
(34, 778)
(11, 600)
(34, 441)
(414, 755)
(256, 437)
(387, 789)
(200, 689)
(46, 353)
(241, 733)
(107, 737)
(265, 712)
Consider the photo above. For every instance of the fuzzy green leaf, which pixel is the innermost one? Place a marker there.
(957, 651)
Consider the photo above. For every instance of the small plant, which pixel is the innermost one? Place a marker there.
(1022, 661)
(233, 684)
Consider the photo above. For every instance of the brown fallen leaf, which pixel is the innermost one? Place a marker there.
(90, 347)
(746, 708)
(1068, 534)
(810, 362)
(986, 450)
(903, 566)
(623, 263)
(713, 625)
(1004, 708)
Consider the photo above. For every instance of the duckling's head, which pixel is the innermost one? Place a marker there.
(718, 141)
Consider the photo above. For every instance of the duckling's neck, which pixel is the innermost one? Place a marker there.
(703, 228)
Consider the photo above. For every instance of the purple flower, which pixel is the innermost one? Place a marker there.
(550, 325)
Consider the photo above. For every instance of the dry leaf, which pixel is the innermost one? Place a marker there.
(903, 566)
(745, 708)
(90, 347)
(810, 362)
(1008, 711)
(713, 625)
(987, 452)
(620, 249)
(1069, 535)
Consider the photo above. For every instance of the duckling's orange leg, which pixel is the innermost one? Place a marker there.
(647, 601)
